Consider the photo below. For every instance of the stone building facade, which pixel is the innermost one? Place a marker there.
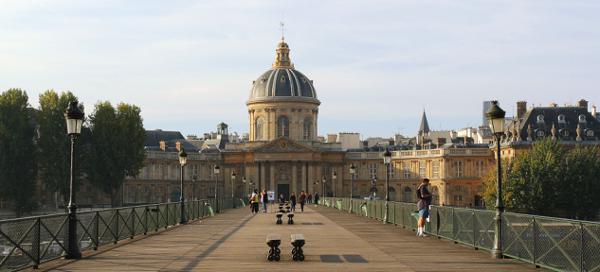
(284, 154)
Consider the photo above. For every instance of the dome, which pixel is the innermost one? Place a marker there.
(282, 81)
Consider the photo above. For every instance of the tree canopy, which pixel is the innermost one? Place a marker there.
(550, 180)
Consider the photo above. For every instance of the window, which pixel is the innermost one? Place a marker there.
(407, 194)
(540, 133)
(283, 127)
(259, 129)
(581, 118)
(561, 119)
(422, 169)
(540, 118)
(479, 168)
(393, 169)
(405, 170)
(458, 169)
(373, 169)
(436, 169)
(307, 134)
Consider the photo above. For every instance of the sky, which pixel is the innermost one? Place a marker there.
(376, 65)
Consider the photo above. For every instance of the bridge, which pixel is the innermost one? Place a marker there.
(148, 238)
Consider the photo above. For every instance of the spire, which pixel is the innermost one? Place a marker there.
(424, 127)
(282, 58)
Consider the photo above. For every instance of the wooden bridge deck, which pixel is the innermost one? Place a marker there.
(336, 241)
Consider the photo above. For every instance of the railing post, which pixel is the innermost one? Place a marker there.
(36, 243)
(157, 218)
(146, 210)
(473, 229)
(116, 230)
(132, 230)
(166, 215)
(97, 230)
(582, 256)
(535, 238)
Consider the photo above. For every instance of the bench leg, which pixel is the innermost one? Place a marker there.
(297, 253)
(274, 253)
(290, 221)
(279, 221)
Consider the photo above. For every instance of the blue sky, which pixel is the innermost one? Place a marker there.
(376, 64)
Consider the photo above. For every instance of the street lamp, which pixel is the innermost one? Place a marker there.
(323, 186)
(182, 162)
(74, 118)
(333, 179)
(387, 160)
(216, 171)
(352, 173)
(495, 115)
(194, 178)
(233, 176)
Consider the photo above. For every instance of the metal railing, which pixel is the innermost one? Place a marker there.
(554, 243)
(30, 241)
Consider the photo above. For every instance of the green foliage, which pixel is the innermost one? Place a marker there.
(550, 180)
(116, 146)
(53, 143)
(18, 166)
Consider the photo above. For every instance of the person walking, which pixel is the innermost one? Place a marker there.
(423, 206)
(293, 200)
(302, 200)
(254, 199)
(265, 200)
(281, 198)
(309, 198)
(316, 198)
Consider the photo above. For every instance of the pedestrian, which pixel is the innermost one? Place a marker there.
(254, 198)
(265, 200)
(293, 200)
(423, 206)
(281, 198)
(302, 200)
(316, 198)
(309, 198)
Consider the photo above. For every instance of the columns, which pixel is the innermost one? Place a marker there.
(262, 181)
(311, 179)
(294, 187)
(304, 176)
(272, 177)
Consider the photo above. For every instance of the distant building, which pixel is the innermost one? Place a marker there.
(486, 107)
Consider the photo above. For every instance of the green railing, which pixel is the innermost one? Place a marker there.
(553, 243)
(27, 242)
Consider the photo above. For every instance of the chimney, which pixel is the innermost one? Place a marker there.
(163, 145)
(521, 109)
(582, 104)
(178, 145)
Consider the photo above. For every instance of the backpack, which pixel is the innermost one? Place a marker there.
(419, 196)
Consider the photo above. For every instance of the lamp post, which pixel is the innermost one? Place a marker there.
(495, 116)
(233, 176)
(352, 173)
(216, 171)
(194, 178)
(323, 186)
(333, 179)
(182, 162)
(74, 118)
(387, 159)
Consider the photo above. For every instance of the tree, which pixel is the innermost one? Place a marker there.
(53, 143)
(116, 146)
(550, 180)
(18, 166)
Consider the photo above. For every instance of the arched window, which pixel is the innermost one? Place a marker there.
(407, 195)
(561, 119)
(392, 192)
(259, 129)
(540, 119)
(307, 133)
(581, 118)
(283, 126)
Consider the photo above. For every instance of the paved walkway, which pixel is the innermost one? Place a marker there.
(235, 241)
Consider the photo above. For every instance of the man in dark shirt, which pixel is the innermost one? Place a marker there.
(423, 205)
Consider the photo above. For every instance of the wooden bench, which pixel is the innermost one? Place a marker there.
(273, 241)
(290, 218)
(298, 242)
(279, 221)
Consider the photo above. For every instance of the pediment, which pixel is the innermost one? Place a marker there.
(283, 145)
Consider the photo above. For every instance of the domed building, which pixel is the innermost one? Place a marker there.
(283, 102)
